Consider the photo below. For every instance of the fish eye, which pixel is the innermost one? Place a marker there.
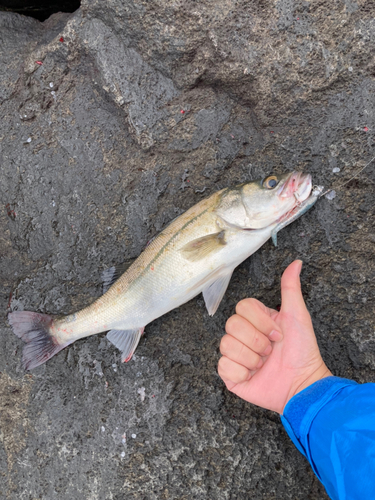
(270, 182)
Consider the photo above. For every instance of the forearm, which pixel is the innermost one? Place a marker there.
(332, 422)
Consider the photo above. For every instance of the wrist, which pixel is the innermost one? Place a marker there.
(303, 382)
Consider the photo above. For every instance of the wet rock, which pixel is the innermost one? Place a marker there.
(124, 103)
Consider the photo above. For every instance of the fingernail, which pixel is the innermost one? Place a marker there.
(267, 351)
(260, 364)
(275, 336)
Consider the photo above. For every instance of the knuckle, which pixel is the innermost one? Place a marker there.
(220, 369)
(246, 305)
(223, 365)
(260, 342)
(253, 363)
(257, 358)
(220, 365)
(242, 306)
(231, 324)
(241, 351)
(225, 344)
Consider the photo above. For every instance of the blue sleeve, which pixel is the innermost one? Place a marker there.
(332, 423)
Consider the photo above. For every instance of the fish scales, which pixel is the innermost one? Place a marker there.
(197, 252)
(147, 276)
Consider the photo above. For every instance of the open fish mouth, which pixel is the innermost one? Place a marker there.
(298, 185)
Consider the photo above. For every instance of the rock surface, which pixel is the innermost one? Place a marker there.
(114, 120)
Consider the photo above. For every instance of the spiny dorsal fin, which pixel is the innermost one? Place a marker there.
(201, 247)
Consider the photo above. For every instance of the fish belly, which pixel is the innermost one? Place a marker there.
(165, 283)
(175, 280)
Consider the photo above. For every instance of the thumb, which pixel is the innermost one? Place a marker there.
(291, 294)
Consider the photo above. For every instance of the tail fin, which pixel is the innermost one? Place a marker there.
(34, 329)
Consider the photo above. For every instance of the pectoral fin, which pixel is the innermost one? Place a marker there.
(214, 293)
(201, 247)
(126, 341)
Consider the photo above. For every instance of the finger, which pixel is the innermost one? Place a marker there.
(239, 328)
(232, 371)
(240, 353)
(229, 384)
(291, 294)
(259, 316)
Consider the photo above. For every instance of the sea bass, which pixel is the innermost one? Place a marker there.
(196, 253)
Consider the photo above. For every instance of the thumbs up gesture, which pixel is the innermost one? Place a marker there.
(269, 356)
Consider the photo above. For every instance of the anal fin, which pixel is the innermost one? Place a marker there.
(126, 341)
(214, 293)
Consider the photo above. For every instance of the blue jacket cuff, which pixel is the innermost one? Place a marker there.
(302, 408)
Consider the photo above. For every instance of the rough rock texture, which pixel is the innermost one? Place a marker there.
(138, 110)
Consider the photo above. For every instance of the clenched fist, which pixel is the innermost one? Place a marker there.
(269, 356)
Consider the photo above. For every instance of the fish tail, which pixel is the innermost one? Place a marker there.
(35, 330)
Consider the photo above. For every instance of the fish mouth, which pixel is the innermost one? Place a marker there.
(298, 185)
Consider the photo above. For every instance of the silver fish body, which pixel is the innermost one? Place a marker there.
(196, 253)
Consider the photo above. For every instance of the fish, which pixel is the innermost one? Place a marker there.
(197, 252)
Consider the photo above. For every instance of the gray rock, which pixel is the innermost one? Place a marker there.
(146, 96)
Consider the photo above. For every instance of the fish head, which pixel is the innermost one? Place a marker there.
(258, 204)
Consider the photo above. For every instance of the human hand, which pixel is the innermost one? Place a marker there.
(264, 373)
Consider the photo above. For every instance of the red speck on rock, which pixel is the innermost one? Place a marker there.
(61, 39)
(10, 299)
(11, 213)
(182, 111)
(38, 62)
(365, 129)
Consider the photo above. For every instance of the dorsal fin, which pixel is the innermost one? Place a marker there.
(112, 274)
